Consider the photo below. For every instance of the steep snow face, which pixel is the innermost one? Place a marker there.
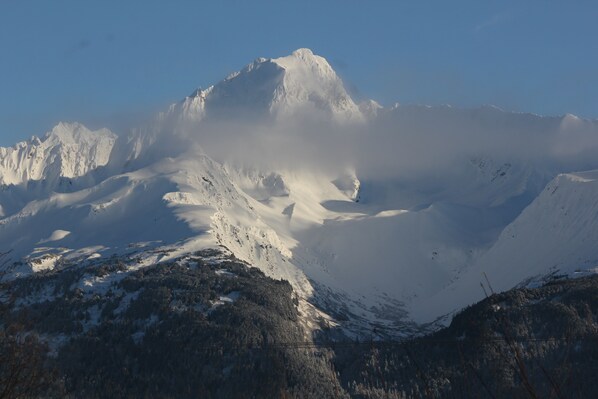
(349, 184)
(69, 150)
(244, 94)
(555, 234)
(309, 81)
(370, 108)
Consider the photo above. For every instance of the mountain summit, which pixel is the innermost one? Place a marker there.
(299, 83)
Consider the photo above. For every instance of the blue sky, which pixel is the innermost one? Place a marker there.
(113, 62)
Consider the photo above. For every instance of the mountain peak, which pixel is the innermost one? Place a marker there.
(66, 131)
(304, 59)
(299, 83)
(311, 84)
(68, 150)
(303, 56)
(303, 52)
(75, 133)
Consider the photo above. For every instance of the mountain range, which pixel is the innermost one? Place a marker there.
(385, 220)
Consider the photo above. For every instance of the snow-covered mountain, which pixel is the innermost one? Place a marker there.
(281, 87)
(267, 90)
(68, 150)
(375, 215)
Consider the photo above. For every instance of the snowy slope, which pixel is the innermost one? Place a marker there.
(556, 234)
(369, 248)
(157, 213)
(171, 202)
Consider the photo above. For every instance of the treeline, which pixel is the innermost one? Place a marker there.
(180, 330)
(220, 329)
(524, 343)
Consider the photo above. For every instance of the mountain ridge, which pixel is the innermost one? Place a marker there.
(69, 150)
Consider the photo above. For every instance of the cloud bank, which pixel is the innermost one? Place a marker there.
(402, 143)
